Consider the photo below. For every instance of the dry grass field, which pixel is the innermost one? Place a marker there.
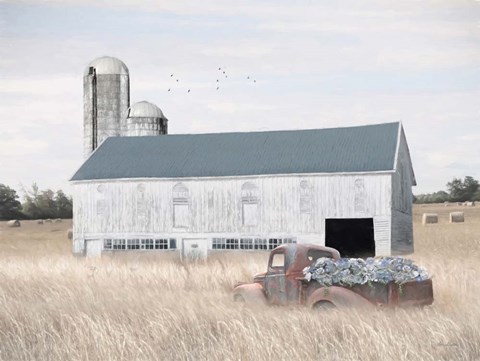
(151, 307)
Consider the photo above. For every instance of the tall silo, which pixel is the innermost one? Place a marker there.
(106, 98)
(144, 118)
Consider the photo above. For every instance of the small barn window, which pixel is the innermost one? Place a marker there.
(147, 243)
(250, 196)
(161, 244)
(305, 197)
(133, 244)
(119, 244)
(181, 206)
(360, 196)
(250, 243)
(246, 243)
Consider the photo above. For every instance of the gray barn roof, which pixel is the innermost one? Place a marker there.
(354, 149)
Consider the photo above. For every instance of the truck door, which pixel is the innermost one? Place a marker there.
(275, 285)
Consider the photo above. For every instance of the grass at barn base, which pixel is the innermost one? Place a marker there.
(141, 306)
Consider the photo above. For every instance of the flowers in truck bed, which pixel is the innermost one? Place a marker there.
(352, 271)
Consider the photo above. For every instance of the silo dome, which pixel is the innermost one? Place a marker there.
(144, 109)
(107, 65)
(144, 118)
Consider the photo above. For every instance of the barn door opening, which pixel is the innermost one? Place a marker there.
(352, 237)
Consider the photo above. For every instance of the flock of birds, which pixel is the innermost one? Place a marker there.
(221, 75)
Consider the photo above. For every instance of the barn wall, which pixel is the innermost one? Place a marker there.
(288, 205)
(402, 199)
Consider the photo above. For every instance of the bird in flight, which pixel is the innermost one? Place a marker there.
(168, 89)
(218, 87)
(177, 80)
(188, 91)
(171, 75)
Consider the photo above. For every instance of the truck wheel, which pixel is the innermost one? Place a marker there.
(238, 298)
(323, 306)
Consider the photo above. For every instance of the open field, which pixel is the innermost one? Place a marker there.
(149, 307)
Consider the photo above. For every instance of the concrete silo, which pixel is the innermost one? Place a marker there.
(144, 118)
(106, 98)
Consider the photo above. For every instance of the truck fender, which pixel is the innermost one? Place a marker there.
(251, 293)
(339, 297)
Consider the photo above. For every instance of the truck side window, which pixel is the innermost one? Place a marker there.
(278, 260)
(314, 254)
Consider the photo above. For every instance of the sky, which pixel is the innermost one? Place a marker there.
(317, 64)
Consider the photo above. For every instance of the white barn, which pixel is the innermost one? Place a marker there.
(348, 188)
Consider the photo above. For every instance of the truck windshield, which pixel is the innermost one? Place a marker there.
(314, 254)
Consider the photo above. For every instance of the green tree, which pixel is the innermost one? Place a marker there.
(63, 205)
(461, 191)
(46, 204)
(9, 205)
(30, 204)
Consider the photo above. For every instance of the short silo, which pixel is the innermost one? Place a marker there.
(106, 98)
(144, 118)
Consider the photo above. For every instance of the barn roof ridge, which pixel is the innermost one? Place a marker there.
(354, 149)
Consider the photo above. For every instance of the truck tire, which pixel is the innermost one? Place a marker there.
(323, 306)
(238, 298)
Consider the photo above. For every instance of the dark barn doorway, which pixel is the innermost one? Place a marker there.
(352, 237)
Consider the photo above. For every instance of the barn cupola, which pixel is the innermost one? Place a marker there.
(106, 97)
(144, 118)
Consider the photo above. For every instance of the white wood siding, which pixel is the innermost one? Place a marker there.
(134, 207)
(402, 199)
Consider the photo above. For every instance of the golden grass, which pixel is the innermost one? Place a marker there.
(149, 307)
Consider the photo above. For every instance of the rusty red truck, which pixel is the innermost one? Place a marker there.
(284, 283)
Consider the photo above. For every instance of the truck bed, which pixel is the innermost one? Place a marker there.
(413, 293)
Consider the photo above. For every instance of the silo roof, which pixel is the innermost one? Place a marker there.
(107, 65)
(144, 109)
(369, 148)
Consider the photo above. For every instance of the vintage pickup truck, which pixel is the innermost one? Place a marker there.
(284, 283)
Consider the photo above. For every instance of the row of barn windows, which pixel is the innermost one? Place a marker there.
(146, 244)
(250, 198)
(217, 243)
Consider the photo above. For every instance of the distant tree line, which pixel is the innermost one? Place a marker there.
(37, 204)
(466, 190)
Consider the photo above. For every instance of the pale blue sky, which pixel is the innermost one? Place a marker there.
(317, 64)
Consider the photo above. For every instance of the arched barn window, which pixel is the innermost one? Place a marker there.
(101, 202)
(305, 197)
(141, 201)
(181, 206)
(250, 196)
(360, 196)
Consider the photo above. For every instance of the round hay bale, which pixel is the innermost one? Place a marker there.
(48, 221)
(39, 221)
(58, 220)
(457, 217)
(470, 204)
(13, 223)
(429, 218)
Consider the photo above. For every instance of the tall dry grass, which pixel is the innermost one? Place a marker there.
(143, 307)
